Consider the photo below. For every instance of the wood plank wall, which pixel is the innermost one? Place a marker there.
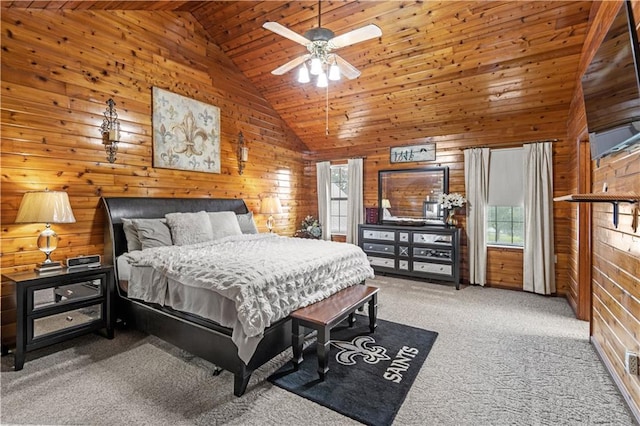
(58, 70)
(613, 278)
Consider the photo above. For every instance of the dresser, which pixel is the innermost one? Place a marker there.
(431, 252)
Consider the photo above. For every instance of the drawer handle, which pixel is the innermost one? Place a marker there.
(69, 318)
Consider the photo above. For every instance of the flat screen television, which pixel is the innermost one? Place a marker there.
(611, 87)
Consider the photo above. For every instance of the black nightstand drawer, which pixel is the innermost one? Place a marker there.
(44, 298)
(77, 318)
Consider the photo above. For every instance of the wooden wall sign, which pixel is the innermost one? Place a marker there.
(186, 133)
(413, 153)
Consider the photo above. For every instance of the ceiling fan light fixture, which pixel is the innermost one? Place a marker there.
(334, 72)
(316, 66)
(322, 80)
(303, 74)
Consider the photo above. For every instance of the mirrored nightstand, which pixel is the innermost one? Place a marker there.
(60, 305)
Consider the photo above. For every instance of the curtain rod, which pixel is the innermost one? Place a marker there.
(509, 144)
(335, 160)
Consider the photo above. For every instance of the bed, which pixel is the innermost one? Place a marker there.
(214, 334)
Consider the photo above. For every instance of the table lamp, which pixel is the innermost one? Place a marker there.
(46, 207)
(386, 205)
(270, 205)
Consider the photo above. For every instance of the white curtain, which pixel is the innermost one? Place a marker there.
(476, 181)
(323, 176)
(355, 203)
(539, 268)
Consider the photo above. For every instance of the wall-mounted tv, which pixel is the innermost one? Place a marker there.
(611, 87)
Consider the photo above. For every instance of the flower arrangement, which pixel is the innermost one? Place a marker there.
(309, 228)
(451, 201)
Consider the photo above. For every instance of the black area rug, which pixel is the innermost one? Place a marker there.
(369, 374)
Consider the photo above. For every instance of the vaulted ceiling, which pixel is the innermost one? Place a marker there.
(440, 69)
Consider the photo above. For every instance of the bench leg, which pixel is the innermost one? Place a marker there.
(323, 346)
(352, 319)
(297, 340)
(373, 312)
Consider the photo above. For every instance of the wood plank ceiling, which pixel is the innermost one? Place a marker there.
(440, 69)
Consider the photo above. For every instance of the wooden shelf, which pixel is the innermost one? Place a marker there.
(626, 197)
(604, 197)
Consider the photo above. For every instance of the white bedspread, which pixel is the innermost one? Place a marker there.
(265, 275)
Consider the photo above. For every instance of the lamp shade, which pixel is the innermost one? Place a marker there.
(270, 205)
(45, 207)
(386, 204)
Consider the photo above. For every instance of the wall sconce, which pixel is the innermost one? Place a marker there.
(46, 207)
(110, 130)
(243, 153)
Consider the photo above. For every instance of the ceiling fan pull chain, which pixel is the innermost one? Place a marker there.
(326, 111)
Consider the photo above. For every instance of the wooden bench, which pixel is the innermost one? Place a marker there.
(326, 314)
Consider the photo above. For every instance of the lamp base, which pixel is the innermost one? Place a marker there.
(48, 266)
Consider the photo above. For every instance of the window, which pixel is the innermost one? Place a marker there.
(505, 225)
(505, 206)
(339, 185)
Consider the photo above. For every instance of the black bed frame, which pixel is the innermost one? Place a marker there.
(198, 336)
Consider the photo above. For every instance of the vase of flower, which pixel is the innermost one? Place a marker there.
(310, 228)
(451, 218)
(451, 202)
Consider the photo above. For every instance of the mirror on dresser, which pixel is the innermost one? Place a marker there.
(410, 196)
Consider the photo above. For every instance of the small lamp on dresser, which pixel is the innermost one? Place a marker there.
(270, 205)
(46, 207)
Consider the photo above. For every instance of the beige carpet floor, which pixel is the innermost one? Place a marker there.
(501, 358)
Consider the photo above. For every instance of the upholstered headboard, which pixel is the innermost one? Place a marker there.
(117, 208)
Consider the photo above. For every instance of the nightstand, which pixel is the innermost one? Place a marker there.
(59, 305)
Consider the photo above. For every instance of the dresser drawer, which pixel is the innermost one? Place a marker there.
(379, 248)
(423, 238)
(382, 262)
(432, 268)
(75, 318)
(373, 234)
(432, 253)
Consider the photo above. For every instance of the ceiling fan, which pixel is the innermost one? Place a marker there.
(320, 42)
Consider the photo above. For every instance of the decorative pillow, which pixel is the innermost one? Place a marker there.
(247, 224)
(130, 233)
(152, 232)
(224, 224)
(189, 228)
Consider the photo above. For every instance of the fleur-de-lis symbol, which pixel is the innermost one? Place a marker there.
(169, 157)
(363, 346)
(190, 133)
(194, 164)
(163, 134)
(204, 116)
(172, 113)
(210, 162)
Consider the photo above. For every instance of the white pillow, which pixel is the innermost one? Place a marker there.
(247, 224)
(189, 228)
(224, 224)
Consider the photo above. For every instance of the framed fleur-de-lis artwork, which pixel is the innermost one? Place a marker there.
(186, 133)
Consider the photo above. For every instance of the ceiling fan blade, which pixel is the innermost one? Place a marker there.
(356, 36)
(286, 32)
(290, 65)
(346, 68)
